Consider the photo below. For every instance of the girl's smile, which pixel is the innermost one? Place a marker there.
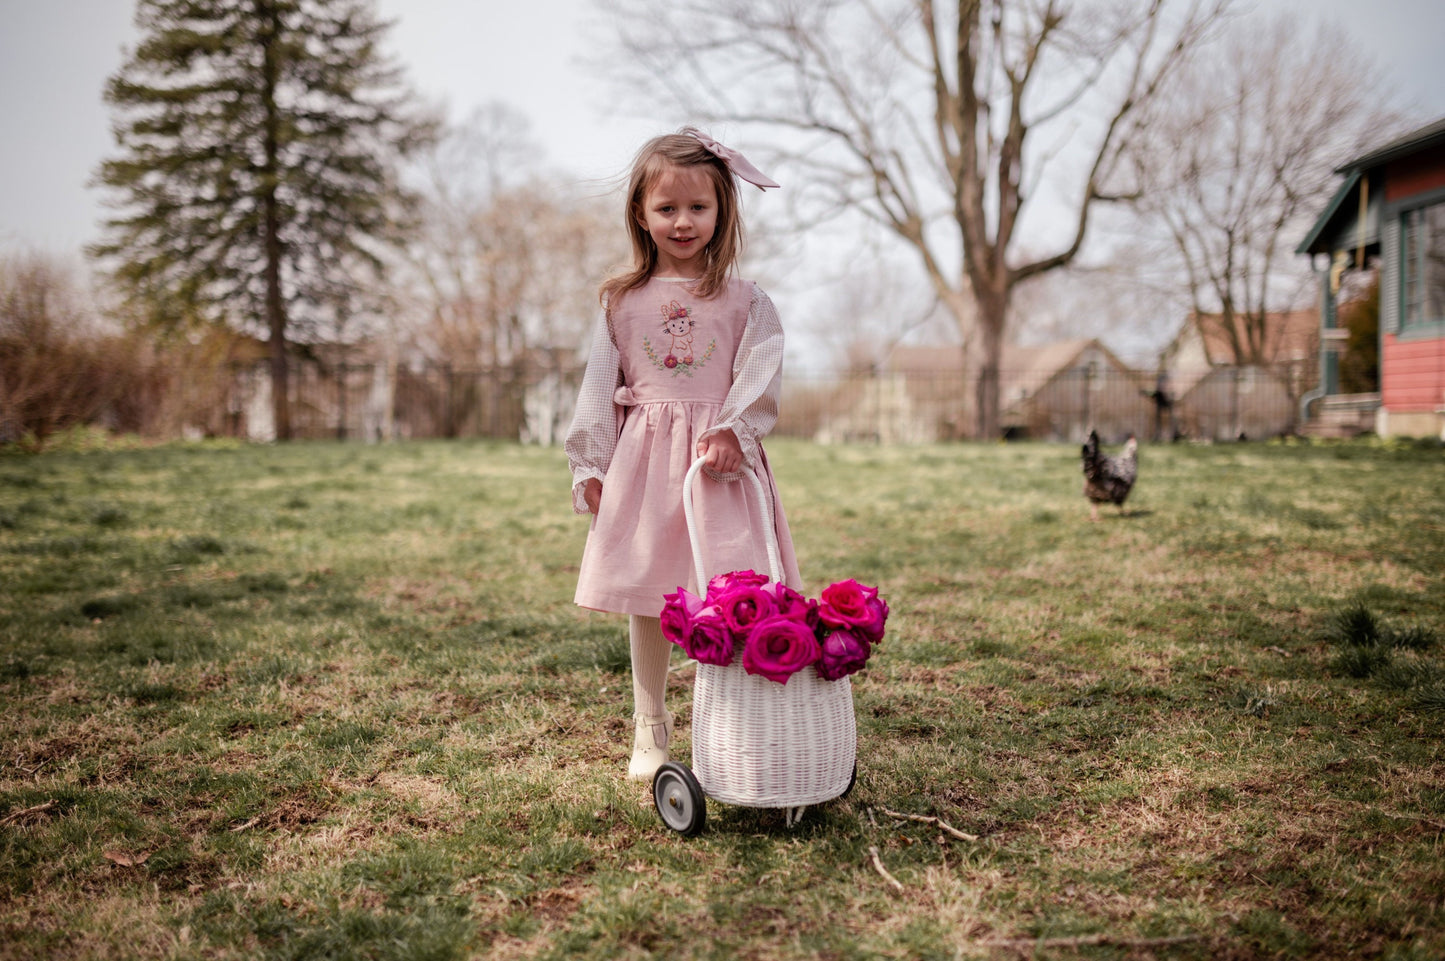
(679, 212)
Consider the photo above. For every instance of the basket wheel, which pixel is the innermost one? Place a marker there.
(679, 799)
(852, 780)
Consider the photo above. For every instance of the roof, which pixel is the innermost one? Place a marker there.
(1025, 368)
(1430, 135)
(1339, 222)
(927, 359)
(1288, 335)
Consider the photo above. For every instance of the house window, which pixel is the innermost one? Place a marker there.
(1422, 269)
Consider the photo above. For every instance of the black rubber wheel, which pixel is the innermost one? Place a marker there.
(852, 780)
(679, 799)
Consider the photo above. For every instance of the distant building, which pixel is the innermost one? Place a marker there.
(1061, 391)
(1390, 209)
(1046, 392)
(1223, 384)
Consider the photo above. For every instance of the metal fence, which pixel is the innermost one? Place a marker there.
(1228, 403)
(351, 402)
(535, 403)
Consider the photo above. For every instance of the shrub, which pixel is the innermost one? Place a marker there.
(56, 370)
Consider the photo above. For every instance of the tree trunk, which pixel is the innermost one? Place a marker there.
(992, 315)
(275, 305)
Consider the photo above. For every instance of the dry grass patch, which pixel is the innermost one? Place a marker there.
(339, 702)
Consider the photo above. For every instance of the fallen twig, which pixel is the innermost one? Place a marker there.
(1088, 940)
(1414, 817)
(878, 866)
(14, 816)
(125, 859)
(925, 819)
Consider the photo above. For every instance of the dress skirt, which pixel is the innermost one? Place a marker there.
(637, 547)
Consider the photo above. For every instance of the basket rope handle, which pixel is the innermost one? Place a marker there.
(770, 534)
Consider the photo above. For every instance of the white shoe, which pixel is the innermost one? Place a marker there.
(649, 746)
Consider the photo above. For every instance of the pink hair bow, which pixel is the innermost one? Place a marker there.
(736, 162)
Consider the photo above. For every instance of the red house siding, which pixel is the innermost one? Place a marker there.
(1414, 378)
(1412, 372)
(1415, 175)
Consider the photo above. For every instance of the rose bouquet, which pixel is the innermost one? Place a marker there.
(780, 631)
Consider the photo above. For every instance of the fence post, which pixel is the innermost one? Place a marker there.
(341, 401)
(449, 424)
(1234, 401)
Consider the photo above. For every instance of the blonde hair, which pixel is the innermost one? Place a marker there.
(679, 149)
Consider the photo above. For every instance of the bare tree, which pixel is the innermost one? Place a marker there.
(503, 277)
(1085, 301)
(57, 368)
(942, 122)
(1240, 150)
(510, 257)
(870, 310)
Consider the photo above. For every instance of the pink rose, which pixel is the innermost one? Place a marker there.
(795, 606)
(844, 652)
(850, 604)
(872, 628)
(709, 639)
(742, 607)
(723, 583)
(678, 610)
(778, 648)
(669, 361)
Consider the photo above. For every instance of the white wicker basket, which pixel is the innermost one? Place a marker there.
(758, 743)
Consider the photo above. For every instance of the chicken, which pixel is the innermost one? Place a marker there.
(1108, 479)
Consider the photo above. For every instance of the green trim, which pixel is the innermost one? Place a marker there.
(1323, 222)
(1425, 330)
(1390, 275)
(1330, 374)
(1394, 213)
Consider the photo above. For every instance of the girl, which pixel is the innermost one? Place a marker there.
(686, 362)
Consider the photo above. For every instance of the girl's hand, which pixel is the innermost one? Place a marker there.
(722, 452)
(592, 493)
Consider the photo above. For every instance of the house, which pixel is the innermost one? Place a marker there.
(896, 406)
(1242, 377)
(1389, 210)
(1061, 391)
(1050, 392)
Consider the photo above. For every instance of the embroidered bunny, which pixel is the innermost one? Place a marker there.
(677, 321)
(680, 327)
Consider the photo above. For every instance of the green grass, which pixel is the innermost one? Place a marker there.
(325, 701)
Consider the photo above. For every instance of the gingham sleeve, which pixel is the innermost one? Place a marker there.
(751, 408)
(592, 438)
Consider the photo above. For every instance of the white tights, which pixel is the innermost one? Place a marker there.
(650, 651)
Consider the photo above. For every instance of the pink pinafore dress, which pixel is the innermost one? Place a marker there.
(676, 356)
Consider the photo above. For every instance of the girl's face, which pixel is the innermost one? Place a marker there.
(679, 211)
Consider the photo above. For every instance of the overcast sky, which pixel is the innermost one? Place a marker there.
(55, 56)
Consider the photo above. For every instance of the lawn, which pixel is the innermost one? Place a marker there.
(333, 701)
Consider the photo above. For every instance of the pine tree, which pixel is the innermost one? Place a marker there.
(257, 182)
